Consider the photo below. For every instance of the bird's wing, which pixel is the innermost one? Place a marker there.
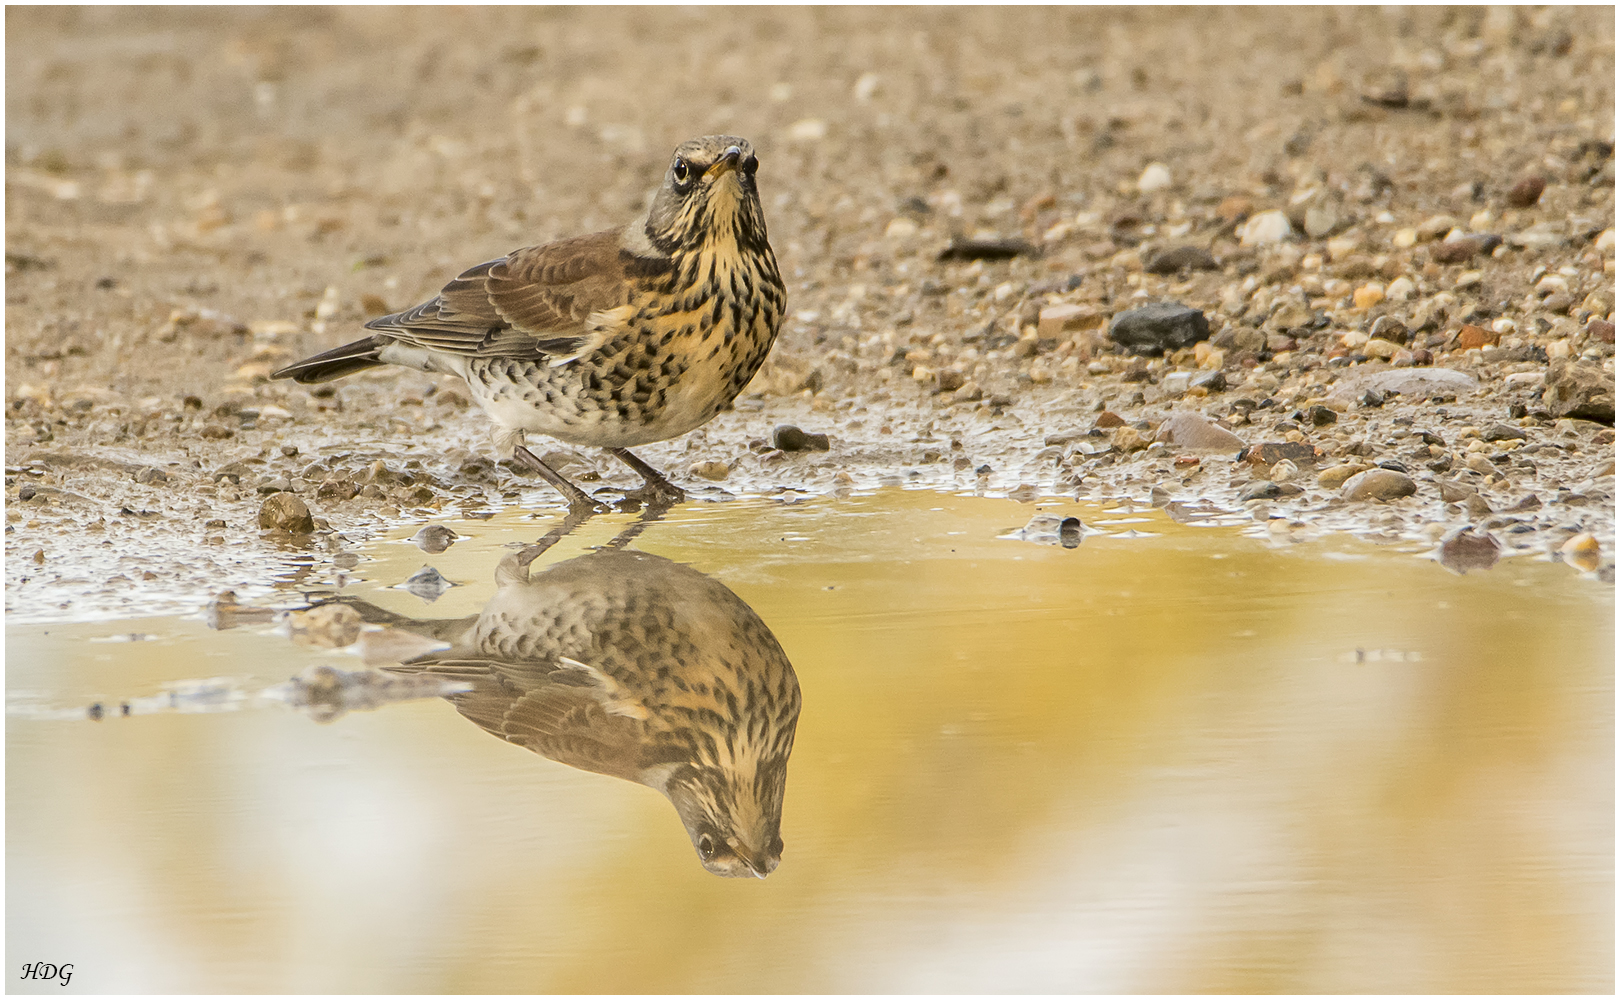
(554, 302)
(562, 713)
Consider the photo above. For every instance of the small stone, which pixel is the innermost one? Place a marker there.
(1601, 329)
(150, 476)
(1335, 477)
(1583, 552)
(1185, 429)
(790, 438)
(1435, 227)
(1177, 259)
(1128, 439)
(1266, 227)
(434, 538)
(1155, 177)
(285, 512)
(1321, 416)
(949, 380)
(1234, 208)
(1053, 529)
(1464, 549)
(711, 469)
(1452, 492)
(1472, 337)
(329, 626)
(1527, 192)
(1282, 472)
(1320, 220)
(1108, 418)
(1579, 391)
(1480, 464)
(1400, 289)
(1477, 506)
(1454, 251)
(427, 583)
(1263, 489)
(1271, 452)
(1381, 349)
(1378, 484)
(1504, 432)
(1159, 327)
(1368, 295)
(1214, 381)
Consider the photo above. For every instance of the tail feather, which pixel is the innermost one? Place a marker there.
(336, 363)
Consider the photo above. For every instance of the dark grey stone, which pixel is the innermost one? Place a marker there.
(1159, 327)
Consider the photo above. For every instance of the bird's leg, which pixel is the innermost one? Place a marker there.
(649, 513)
(576, 497)
(658, 491)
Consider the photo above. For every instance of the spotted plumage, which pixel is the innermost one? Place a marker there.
(615, 339)
(630, 665)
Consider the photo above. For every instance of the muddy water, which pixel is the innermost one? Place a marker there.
(1173, 758)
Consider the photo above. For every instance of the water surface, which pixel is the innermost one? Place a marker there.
(1174, 758)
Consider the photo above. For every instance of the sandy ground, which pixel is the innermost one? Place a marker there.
(195, 197)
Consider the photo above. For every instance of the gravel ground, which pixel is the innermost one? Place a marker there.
(1397, 226)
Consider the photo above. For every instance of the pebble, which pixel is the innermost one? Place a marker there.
(1464, 549)
(1159, 327)
(330, 626)
(711, 469)
(1176, 259)
(149, 476)
(1582, 552)
(1378, 484)
(1454, 251)
(1271, 452)
(434, 538)
(1155, 177)
(1107, 419)
(1283, 471)
(427, 583)
(1452, 492)
(285, 512)
(1504, 432)
(1052, 529)
(1266, 227)
(1368, 295)
(1527, 192)
(1335, 477)
(1128, 439)
(1320, 219)
(1579, 392)
(1262, 489)
(790, 438)
(948, 380)
(1195, 432)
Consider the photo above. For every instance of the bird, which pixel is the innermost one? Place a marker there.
(613, 340)
(628, 664)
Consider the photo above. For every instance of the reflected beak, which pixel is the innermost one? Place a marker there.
(728, 161)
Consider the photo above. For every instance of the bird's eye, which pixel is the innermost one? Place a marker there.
(706, 847)
(682, 171)
(750, 165)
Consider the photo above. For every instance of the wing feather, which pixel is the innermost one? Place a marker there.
(555, 302)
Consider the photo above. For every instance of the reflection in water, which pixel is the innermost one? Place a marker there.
(628, 664)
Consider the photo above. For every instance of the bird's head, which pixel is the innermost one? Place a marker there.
(734, 816)
(708, 198)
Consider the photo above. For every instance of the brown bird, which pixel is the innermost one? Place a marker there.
(630, 665)
(613, 340)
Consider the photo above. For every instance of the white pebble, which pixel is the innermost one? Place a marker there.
(1266, 227)
(1156, 177)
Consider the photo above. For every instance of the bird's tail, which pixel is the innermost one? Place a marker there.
(336, 363)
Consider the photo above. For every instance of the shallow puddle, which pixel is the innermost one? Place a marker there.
(1174, 758)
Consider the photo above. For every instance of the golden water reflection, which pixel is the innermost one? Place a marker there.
(1154, 762)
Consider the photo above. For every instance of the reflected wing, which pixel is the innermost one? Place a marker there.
(557, 302)
(560, 713)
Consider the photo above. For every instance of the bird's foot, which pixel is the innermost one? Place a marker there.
(656, 491)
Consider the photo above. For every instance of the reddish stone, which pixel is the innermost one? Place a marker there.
(1108, 418)
(1527, 192)
(1471, 336)
(1602, 329)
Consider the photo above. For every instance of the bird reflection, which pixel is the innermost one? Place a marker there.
(627, 664)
